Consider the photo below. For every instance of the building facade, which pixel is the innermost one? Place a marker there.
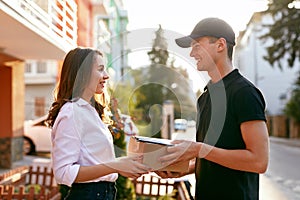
(30, 32)
(36, 36)
(275, 83)
(97, 22)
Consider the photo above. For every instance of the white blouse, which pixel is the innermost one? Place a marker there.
(80, 138)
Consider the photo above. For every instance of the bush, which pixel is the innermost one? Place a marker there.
(292, 108)
(125, 188)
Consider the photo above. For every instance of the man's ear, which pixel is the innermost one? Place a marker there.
(221, 44)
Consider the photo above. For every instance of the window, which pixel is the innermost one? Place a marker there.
(39, 106)
(28, 68)
(41, 67)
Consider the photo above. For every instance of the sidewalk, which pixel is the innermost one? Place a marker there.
(268, 190)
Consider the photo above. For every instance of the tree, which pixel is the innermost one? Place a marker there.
(162, 81)
(159, 53)
(285, 32)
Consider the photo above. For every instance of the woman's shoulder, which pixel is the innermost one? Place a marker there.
(70, 105)
(66, 110)
(74, 108)
(67, 106)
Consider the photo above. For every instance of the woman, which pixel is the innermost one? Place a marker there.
(82, 146)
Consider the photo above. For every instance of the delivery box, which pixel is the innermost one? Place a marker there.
(152, 149)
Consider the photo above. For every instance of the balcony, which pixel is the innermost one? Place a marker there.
(40, 72)
(29, 31)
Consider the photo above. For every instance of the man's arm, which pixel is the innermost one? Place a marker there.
(254, 158)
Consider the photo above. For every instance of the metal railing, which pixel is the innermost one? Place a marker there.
(59, 20)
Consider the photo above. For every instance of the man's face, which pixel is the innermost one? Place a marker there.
(204, 53)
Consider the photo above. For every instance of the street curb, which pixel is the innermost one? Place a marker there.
(295, 142)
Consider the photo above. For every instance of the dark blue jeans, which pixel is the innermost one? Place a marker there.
(102, 190)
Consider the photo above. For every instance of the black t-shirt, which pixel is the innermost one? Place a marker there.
(221, 109)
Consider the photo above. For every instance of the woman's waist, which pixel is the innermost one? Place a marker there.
(101, 184)
(107, 178)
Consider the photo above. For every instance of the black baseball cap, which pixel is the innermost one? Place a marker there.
(214, 27)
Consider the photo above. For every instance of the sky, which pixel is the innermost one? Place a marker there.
(180, 17)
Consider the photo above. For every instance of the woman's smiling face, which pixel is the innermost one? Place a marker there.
(98, 77)
(100, 73)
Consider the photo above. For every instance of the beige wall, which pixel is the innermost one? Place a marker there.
(18, 92)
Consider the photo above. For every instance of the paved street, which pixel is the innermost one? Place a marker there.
(283, 171)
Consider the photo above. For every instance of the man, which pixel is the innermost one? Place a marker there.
(232, 145)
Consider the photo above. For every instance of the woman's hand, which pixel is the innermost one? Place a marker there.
(130, 166)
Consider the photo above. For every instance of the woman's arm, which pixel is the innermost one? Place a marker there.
(126, 166)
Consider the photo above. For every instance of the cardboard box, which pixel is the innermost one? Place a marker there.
(153, 149)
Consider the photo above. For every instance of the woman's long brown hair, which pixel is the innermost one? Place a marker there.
(74, 77)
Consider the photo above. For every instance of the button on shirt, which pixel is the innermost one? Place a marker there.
(80, 138)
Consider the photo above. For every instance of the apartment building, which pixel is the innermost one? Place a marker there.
(34, 38)
(276, 84)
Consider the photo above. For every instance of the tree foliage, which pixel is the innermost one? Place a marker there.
(285, 33)
(124, 185)
(159, 53)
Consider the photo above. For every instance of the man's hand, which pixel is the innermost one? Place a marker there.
(168, 174)
(182, 150)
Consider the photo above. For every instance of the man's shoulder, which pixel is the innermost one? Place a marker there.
(240, 82)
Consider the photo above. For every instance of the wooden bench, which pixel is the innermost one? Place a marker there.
(28, 183)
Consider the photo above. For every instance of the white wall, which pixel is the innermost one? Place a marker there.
(272, 81)
(39, 85)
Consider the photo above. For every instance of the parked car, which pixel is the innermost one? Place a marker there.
(180, 124)
(37, 136)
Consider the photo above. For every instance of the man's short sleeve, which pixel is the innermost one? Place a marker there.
(249, 105)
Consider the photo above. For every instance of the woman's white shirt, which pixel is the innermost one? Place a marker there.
(80, 138)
